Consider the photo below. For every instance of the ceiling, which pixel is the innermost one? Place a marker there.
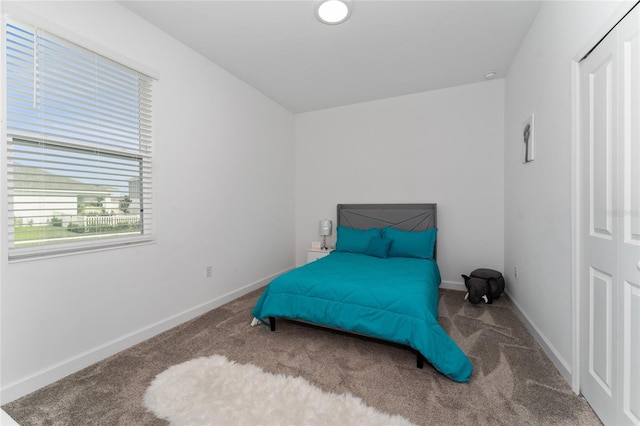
(385, 49)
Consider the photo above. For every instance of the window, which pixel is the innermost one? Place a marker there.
(78, 147)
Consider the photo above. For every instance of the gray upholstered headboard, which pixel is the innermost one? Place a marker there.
(406, 217)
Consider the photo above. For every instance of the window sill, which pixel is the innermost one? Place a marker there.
(39, 254)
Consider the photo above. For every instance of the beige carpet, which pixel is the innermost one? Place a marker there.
(513, 381)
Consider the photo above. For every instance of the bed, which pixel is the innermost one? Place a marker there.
(381, 281)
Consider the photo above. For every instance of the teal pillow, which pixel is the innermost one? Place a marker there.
(355, 240)
(419, 244)
(379, 247)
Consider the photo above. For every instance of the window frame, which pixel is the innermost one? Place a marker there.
(140, 155)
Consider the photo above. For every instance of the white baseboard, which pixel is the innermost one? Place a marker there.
(6, 420)
(452, 285)
(39, 379)
(560, 363)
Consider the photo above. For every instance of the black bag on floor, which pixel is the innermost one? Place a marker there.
(483, 284)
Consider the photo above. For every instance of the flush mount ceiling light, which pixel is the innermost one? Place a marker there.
(490, 75)
(333, 11)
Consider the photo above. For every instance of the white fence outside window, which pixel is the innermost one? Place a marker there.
(99, 221)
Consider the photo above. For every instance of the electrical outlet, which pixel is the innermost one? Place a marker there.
(515, 271)
(208, 271)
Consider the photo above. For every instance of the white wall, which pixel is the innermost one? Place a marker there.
(538, 195)
(444, 146)
(223, 155)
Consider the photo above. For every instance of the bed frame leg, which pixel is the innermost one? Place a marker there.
(272, 323)
(420, 360)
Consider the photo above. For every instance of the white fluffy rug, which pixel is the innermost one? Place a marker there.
(215, 391)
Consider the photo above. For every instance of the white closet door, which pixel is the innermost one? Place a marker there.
(610, 181)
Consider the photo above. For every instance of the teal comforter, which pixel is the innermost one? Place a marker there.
(394, 299)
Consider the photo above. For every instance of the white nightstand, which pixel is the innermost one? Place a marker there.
(315, 254)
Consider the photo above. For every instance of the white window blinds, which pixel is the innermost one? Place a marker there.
(78, 147)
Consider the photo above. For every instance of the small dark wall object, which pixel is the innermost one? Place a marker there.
(483, 284)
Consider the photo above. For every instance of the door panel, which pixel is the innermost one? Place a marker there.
(601, 149)
(601, 327)
(599, 261)
(631, 131)
(631, 373)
